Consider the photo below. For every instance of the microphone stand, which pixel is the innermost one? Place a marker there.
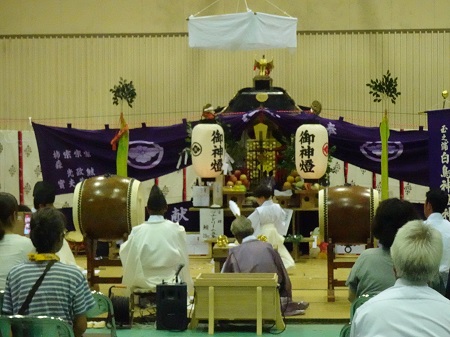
(178, 272)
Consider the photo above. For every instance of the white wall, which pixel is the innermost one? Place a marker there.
(18, 17)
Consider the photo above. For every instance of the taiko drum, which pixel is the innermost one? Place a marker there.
(346, 214)
(107, 207)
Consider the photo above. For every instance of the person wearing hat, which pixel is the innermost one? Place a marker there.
(155, 249)
(255, 256)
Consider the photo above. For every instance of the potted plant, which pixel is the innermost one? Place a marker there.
(124, 91)
(382, 91)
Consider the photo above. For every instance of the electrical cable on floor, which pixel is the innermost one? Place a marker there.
(284, 321)
(121, 305)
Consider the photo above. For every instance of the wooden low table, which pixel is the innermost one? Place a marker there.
(219, 255)
(212, 241)
(237, 296)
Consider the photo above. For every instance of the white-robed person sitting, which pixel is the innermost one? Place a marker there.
(269, 220)
(155, 249)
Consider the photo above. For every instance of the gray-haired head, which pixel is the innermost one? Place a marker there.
(241, 227)
(416, 252)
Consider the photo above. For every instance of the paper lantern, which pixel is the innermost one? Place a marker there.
(311, 151)
(207, 150)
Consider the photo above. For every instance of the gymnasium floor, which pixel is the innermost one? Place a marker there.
(309, 281)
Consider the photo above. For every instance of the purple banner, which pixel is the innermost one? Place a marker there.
(69, 156)
(439, 153)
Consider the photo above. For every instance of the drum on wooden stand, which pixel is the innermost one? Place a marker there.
(106, 208)
(345, 217)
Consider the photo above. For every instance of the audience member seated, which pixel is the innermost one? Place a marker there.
(14, 248)
(410, 308)
(255, 256)
(155, 249)
(64, 291)
(24, 208)
(436, 203)
(268, 220)
(44, 196)
(373, 270)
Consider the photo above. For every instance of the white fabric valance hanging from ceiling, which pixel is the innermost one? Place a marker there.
(242, 31)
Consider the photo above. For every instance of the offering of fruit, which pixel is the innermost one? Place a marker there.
(290, 179)
(287, 186)
(315, 186)
(299, 185)
(237, 174)
(238, 181)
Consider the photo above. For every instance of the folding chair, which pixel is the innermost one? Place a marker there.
(103, 306)
(31, 326)
(2, 293)
(345, 331)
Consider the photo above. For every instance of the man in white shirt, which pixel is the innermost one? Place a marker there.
(410, 308)
(436, 203)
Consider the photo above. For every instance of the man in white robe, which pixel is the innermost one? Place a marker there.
(268, 220)
(155, 249)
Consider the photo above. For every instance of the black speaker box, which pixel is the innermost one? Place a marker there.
(171, 307)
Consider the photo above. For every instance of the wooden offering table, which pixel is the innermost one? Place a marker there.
(219, 255)
(212, 241)
(237, 296)
(236, 196)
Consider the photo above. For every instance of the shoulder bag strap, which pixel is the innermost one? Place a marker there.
(25, 304)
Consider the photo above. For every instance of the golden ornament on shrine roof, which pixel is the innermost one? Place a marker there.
(262, 97)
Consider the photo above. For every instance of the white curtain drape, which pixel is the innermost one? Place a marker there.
(242, 31)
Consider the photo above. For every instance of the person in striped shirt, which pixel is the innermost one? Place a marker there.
(64, 291)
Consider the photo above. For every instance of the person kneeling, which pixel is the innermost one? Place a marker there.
(255, 256)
